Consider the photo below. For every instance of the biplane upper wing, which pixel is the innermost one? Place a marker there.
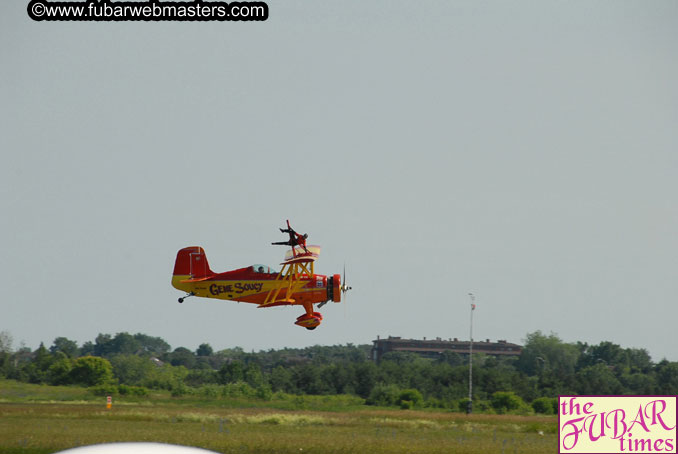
(299, 255)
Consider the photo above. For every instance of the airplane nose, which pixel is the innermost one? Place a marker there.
(336, 288)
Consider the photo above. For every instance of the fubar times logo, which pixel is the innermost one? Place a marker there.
(617, 424)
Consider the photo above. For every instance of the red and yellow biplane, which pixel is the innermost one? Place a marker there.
(295, 284)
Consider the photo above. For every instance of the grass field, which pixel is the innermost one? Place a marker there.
(40, 419)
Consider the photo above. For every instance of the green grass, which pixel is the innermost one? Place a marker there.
(13, 391)
(33, 419)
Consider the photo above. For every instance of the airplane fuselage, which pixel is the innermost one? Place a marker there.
(295, 284)
(248, 286)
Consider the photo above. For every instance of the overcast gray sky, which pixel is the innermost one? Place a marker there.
(523, 151)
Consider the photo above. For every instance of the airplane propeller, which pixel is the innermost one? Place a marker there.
(344, 288)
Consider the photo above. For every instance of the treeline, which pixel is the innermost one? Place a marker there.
(547, 367)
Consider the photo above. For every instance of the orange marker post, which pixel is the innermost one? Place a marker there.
(109, 402)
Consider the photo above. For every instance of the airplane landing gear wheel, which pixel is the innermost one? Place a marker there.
(181, 300)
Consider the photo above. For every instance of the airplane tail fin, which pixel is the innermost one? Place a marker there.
(192, 261)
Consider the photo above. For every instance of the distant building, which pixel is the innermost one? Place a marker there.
(433, 348)
(157, 362)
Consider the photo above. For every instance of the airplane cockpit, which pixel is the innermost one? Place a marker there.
(264, 269)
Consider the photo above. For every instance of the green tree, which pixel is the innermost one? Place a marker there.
(339, 378)
(612, 355)
(383, 395)
(253, 376)
(152, 345)
(400, 358)
(451, 358)
(91, 371)
(545, 405)
(124, 344)
(409, 398)
(639, 360)
(204, 350)
(5, 353)
(37, 370)
(200, 377)
(59, 372)
(280, 379)
(552, 361)
(87, 349)
(6, 342)
(231, 372)
(132, 370)
(182, 356)
(166, 377)
(506, 401)
(103, 345)
(543, 353)
(308, 379)
(667, 377)
(638, 383)
(66, 346)
(491, 379)
(365, 378)
(597, 379)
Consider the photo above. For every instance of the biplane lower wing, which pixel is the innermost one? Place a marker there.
(200, 279)
(280, 302)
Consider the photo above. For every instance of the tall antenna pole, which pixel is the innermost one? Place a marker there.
(469, 409)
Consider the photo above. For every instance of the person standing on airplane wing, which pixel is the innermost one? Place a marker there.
(296, 239)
